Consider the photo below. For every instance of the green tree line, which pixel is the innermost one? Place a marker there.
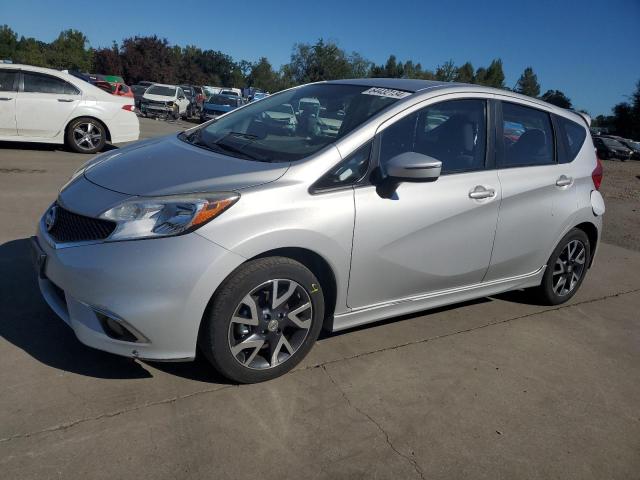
(153, 58)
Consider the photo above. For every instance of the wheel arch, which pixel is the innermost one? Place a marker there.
(591, 231)
(106, 128)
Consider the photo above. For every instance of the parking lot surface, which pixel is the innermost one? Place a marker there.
(495, 388)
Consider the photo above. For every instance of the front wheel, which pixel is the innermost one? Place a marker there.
(86, 135)
(263, 320)
(566, 268)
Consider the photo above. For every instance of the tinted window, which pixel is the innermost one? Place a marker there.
(348, 172)
(7, 81)
(453, 132)
(573, 135)
(38, 83)
(527, 136)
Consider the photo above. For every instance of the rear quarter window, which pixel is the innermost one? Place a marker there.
(573, 135)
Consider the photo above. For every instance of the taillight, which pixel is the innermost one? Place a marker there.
(129, 108)
(596, 175)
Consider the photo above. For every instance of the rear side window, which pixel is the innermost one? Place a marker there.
(38, 83)
(8, 81)
(527, 137)
(573, 135)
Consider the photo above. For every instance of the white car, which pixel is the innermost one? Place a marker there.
(49, 106)
(161, 99)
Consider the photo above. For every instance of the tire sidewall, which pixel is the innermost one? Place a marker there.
(71, 140)
(214, 340)
(549, 295)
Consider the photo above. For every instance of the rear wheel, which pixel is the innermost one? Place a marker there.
(263, 320)
(86, 135)
(566, 268)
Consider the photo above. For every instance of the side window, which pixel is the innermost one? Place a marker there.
(35, 82)
(348, 172)
(573, 134)
(453, 132)
(8, 81)
(527, 136)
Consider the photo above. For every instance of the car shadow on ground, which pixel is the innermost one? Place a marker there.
(46, 147)
(28, 323)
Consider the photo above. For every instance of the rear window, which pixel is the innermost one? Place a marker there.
(573, 135)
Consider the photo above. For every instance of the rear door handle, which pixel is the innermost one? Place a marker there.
(66, 100)
(5, 98)
(564, 181)
(480, 191)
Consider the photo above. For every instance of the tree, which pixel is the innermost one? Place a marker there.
(635, 112)
(465, 73)
(68, 52)
(446, 72)
(557, 98)
(263, 76)
(148, 58)
(493, 76)
(528, 83)
(623, 120)
(360, 66)
(8, 43)
(320, 61)
(107, 61)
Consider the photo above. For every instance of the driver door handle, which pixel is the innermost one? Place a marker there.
(66, 100)
(480, 191)
(564, 181)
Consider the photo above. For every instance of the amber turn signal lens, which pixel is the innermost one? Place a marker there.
(211, 210)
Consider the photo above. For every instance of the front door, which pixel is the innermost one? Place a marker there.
(430, 236)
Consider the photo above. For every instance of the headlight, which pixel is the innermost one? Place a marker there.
(166, 216)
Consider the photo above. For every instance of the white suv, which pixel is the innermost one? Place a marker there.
(49, 106)
(160, 99)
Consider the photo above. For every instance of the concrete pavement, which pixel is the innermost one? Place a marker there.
(496, 388)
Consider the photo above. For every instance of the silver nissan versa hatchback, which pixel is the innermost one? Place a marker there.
(328, 205)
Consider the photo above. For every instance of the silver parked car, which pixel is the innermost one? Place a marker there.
(384, 197)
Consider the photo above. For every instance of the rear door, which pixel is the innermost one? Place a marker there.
(429, 236)
(44, 104)
(8, 93)
(538, 192)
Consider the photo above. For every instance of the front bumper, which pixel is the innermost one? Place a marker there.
(160, 287)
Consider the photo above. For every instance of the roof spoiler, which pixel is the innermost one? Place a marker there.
(585, 116)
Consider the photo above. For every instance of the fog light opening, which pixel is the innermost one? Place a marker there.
(118, 329)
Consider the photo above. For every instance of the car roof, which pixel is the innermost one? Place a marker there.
(417, 86)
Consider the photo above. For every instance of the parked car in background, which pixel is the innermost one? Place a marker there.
(608, 148)
(102, 85)
(259, 96)
(122, 90)
(630, 144)
(164, 100)
(190, 92)
(219, 104)
(49, 106)
(138, 91)
(231, 91)
(287, 235)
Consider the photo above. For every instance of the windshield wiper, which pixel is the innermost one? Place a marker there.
(240, 151)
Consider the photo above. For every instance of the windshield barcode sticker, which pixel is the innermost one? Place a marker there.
(386, 92)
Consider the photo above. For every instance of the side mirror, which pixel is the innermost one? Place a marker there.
(408, 167)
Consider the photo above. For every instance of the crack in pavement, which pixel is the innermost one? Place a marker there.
(67, 425)
(412, 461)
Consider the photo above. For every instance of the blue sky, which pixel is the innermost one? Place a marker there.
(588, 49)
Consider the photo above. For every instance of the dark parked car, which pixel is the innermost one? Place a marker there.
(631, 145)
(608, 148)
(217, 105)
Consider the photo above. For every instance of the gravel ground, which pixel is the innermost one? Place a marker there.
(621, 192)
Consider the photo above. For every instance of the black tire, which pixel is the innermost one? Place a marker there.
(92, 141)
(215, 332)
(546, 292)
(175, 114)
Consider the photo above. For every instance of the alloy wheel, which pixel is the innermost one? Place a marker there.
(270, 324)
(87, 136)
(569, 267)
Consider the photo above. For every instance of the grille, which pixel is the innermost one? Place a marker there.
(71, 227)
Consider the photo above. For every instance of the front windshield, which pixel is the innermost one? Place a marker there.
(162, 91)
(293, 124)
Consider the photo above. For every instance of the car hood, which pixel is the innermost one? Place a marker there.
(169, 166)
(158, 98)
